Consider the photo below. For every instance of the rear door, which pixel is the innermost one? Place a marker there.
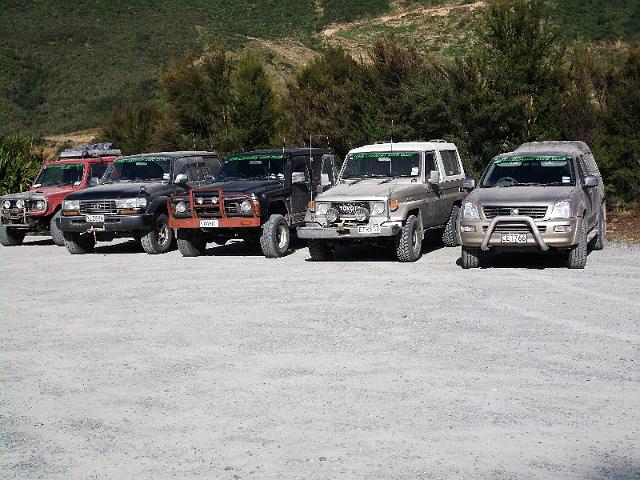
(430, 213)
(451, 186)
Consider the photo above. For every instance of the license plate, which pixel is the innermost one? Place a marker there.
(209, 223)
(95, 218)
(514, 238)
(369, 229)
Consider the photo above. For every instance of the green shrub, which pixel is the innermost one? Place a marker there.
(20, 161)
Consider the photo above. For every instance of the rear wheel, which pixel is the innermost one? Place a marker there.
(409, 241)
(160, 239)
(274, 240)
(56, 232)
(79, 243)
(577, 256)
(191, 243)
(470, 257)
(450, 232)
(10, 237)
(598, 242)
(321, 250)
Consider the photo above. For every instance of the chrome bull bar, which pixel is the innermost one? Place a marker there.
(516, 218)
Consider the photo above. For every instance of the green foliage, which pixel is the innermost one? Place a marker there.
(131, 127)
(19, 163)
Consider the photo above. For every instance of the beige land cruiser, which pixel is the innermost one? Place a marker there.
(545, 196)
(389, 193)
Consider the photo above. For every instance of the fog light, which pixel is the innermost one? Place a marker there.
(20, 204)
(468, 228)
(200, 200)
(6, 205)
(215, 200)
(562, 228)
(181, 207)
(332, 215)
(362, 214)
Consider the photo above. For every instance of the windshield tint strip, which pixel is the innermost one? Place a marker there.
(235, 158)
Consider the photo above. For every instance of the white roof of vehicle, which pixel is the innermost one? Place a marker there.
(405, 147)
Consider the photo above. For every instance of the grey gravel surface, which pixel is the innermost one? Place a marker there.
(122, 365)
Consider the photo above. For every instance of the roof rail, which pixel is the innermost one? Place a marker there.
(91, 150)
(438, 140)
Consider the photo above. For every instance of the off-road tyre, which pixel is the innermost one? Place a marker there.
(409, 242)
(471, 257)
(450, 232)
(598, 242)
(160, 239)
(10, 237)
(321, 250)
(275, 236)
(56, 232)
(577, 256)
(190, 243)
(79, 243)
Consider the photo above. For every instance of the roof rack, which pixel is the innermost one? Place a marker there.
(438, 140)
(91, 150)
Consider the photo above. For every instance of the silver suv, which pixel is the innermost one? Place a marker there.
(389, 193)
(545, 196)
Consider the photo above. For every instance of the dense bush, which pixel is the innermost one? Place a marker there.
(20, 161)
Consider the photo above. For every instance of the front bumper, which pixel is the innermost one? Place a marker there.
(112, 223)
(222, 222)
(541, 234)
(314, 230)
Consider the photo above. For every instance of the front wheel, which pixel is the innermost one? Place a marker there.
(409, 242)
(79, 243)
(597, 242)
(577, 256)
(190, 243)
(470, 257)
(10, 237)
(274, 240)
(56, 232)
(160, 239)
(450, 232)
(321, 250)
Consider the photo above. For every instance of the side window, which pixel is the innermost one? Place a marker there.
(430, 162)
(300, 170)
(97, 170)
(327, 174)
(450, 163)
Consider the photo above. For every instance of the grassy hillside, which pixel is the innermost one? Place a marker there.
(63, 64)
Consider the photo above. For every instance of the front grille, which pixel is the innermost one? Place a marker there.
(348, 209)
(98, 206)
(207, 205)
(516, 227)
(533, 212)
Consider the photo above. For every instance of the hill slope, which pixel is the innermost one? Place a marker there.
(63, 64)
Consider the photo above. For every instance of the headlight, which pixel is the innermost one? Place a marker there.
(332, 215)
(362, 214)
(561, 210)
(321, 208)
(130, 203)
(6, 204)
(20, 203)
(246, 206)
(71, 205)
(377, 208)
(470, 210)
(40, 205)
(181, 207)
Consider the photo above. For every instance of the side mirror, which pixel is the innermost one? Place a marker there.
(180, 178)
(93, 181)
(298, 177)
(434, 176)
(591, 181)
(469, 183)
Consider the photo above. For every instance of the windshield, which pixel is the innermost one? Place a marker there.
(381, 164)
(64, 174)
(139, 169)
(539, 170)
(253, 166)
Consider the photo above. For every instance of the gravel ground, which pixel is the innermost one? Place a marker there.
(122, 365)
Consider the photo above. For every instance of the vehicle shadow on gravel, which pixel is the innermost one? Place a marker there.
(527, 260)
(240, 248)
(372, 253)
(38, 243)
(120, 248)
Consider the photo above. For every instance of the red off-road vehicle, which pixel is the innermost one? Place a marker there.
(38, 209)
